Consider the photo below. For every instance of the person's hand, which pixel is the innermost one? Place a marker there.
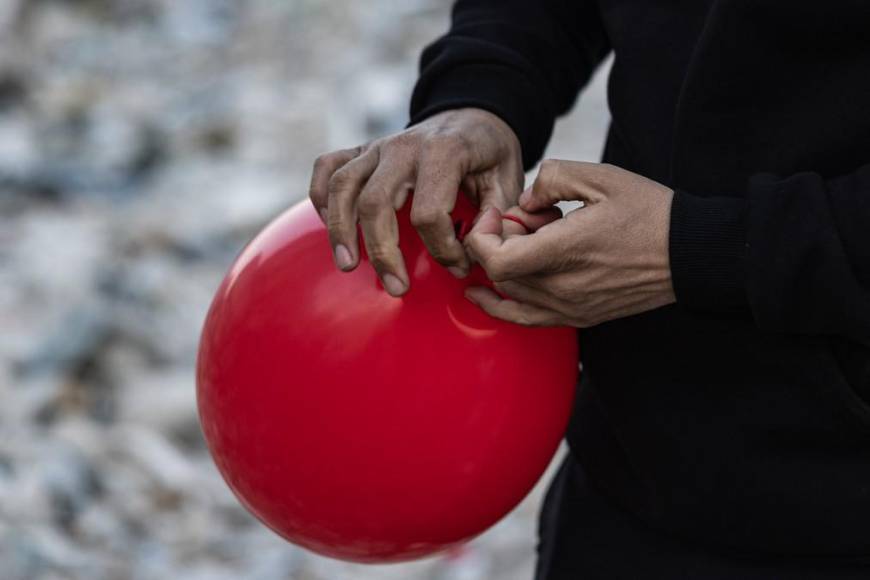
(606, 260)
(468, 148)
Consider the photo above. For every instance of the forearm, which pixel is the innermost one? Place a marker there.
(524, 61)
(794, 254)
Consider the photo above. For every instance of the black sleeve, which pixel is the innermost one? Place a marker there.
(795, 253)
(522, 60)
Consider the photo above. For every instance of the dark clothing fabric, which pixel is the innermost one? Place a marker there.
(584, 536)
(738, 418)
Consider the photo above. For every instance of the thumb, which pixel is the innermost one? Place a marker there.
(564, 181)
(488, 223)
(486, 235)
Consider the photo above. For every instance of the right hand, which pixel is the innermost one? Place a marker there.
(468, 149)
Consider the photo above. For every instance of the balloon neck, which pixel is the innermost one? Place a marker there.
(462, 227)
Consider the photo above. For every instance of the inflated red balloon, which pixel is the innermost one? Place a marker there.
(370, 428)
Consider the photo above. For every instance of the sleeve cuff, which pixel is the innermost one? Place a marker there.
(494, 88)
(708, 253)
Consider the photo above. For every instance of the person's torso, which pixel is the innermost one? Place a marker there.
(708, 427)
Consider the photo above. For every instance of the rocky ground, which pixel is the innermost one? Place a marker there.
(142, 142)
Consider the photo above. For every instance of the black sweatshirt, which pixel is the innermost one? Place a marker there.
(739, 416)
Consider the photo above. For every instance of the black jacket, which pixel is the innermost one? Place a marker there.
(739, 416)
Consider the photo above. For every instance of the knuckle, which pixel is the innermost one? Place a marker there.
(549, 167)
(399, 142)
(340, 226)
(335, 225)
(321, 162)
(496, 269)
(561, 289)
(523, 319)
(336, 234)
(447, 144)
(339, 182)
(380, 255)
(371, 204)
(424, 220)
(441, 255)
(547, 173)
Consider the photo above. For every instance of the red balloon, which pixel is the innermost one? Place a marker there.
(366, 427)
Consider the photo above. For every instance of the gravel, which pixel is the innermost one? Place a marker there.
(142, 142)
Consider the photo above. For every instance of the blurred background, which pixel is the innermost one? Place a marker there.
(142, 143)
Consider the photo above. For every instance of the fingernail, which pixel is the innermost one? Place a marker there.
(470, 297)
(393, 285)
(457, 271)
(324, 215)
(343, 258)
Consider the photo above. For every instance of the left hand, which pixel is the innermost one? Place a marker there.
(606, 260)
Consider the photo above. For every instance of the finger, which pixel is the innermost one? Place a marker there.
(344, 188)
(528, 295)
(511, 310)
(324, 167)
(386, 189)
(566, 181)
(517, 221)
(438, 177)
(500, 188)
(513, 257)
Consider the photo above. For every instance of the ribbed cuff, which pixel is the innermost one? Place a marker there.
(708, 253)
(494, 88)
